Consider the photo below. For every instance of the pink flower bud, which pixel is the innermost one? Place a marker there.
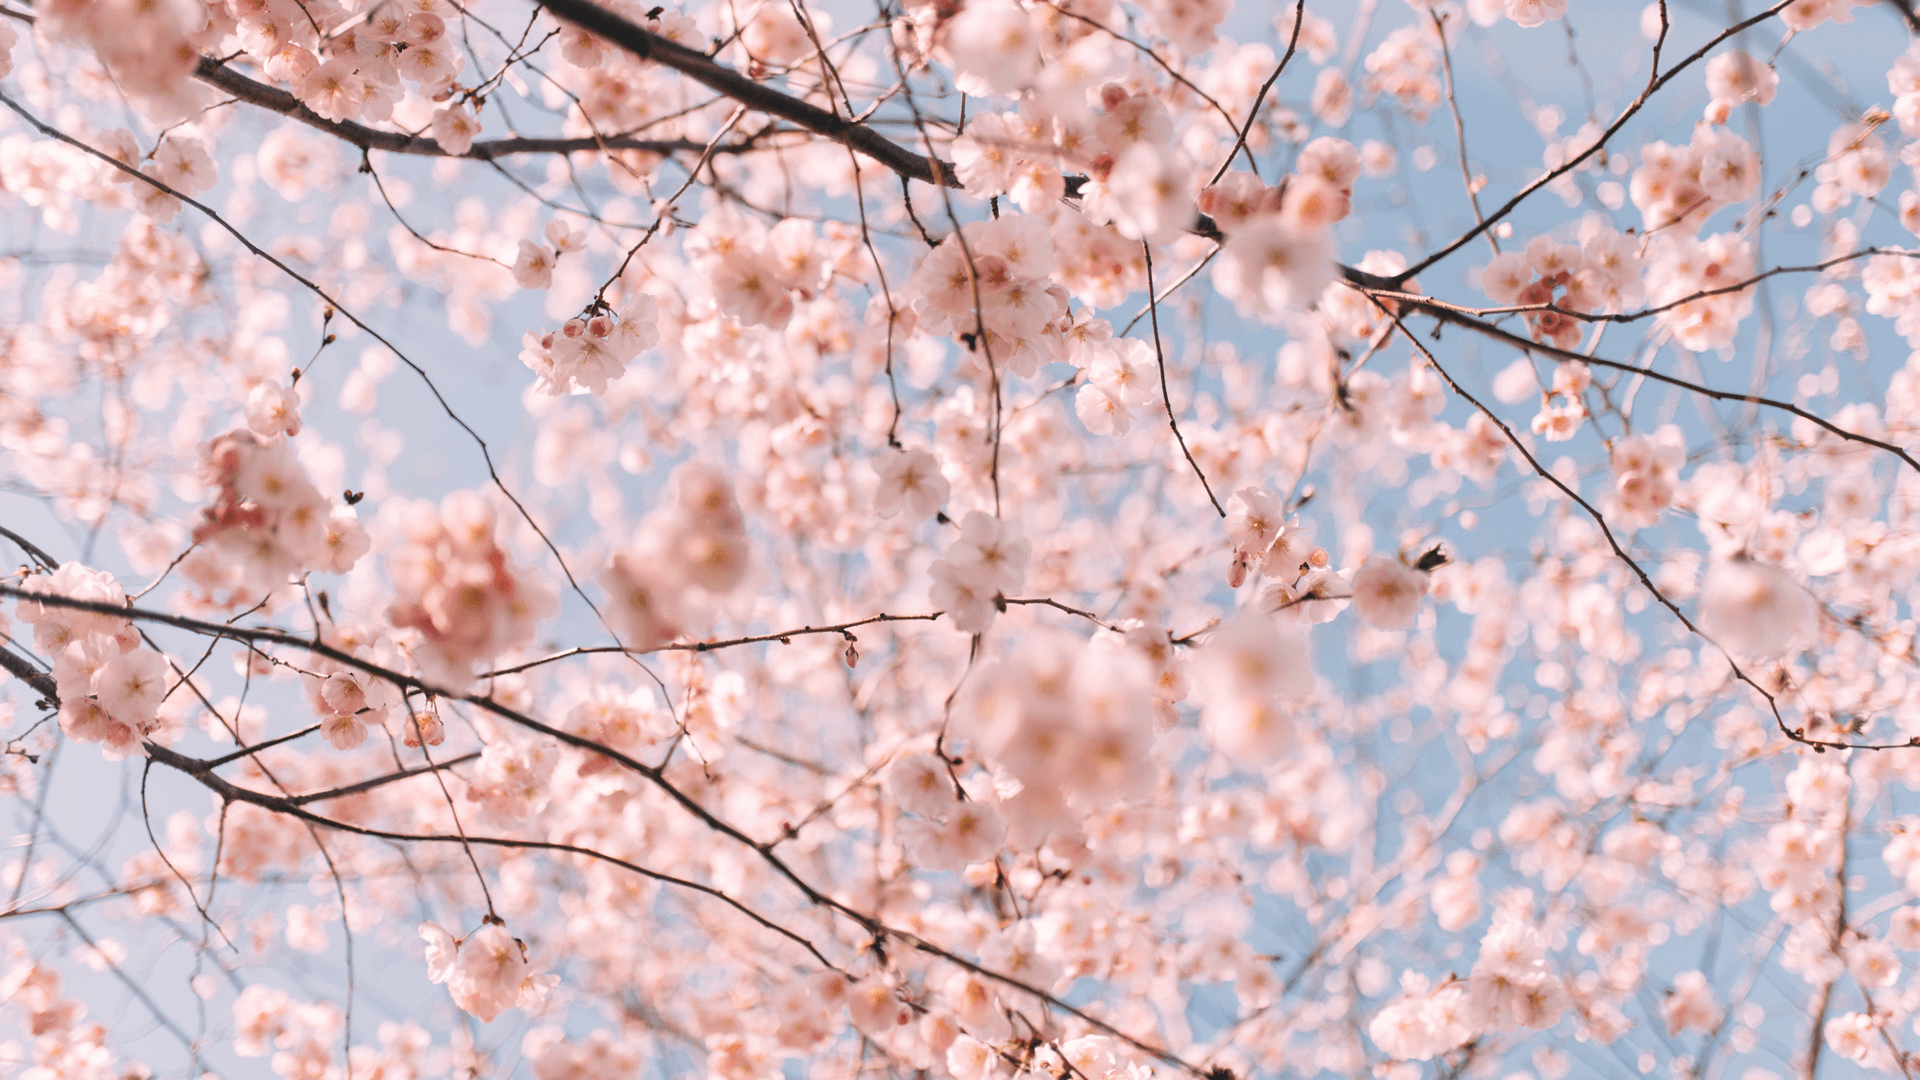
(1237, 570)
(425, 725)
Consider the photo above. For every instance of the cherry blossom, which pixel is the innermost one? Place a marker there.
(1387, 592)
(910, 480)
(486, 972)
(1024, 540)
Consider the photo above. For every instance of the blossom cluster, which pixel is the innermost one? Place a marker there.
(1601, 274)
(1278, 254)
(1511, 987)
(267, 521)
(110, 685)
(685, 557)
(988, 284)
(915, 626)
(66, 1042)
(587, 354)
(458, 591)
(986, 562)
(487, 972)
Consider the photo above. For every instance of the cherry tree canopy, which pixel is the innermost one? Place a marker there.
(974, 539)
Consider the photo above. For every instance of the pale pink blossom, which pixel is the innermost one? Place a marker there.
(1387, 593)
(910, 480)
(273, 409)
(454, 127)
(1753, 608)
(533, 267)
(993, 42)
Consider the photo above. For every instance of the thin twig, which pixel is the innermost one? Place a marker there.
(1160, 355)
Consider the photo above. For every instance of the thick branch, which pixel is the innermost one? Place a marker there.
(32, 549)
(41, 682)
(273, 99)
(381, 781)
(716, 76)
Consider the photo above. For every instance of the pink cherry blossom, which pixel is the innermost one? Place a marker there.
(1387, 593)
(1024, 540)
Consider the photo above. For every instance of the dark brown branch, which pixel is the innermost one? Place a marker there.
(780, 636)
(273, 99)
(249, 751)
(1240, 140)
(41, 682)
(1175, 74)
(1639, 314)
(1159, 355)
(708, 646)
(1460, 127)
(1908, 14)
(1449, 313)
(232, 793)
(32, 549)
(486, 454)
(716, 76)
(1047, 601)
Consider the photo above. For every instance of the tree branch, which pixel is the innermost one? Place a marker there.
(1449, 313)
(716, 76)
(273, 99)
(41, 682)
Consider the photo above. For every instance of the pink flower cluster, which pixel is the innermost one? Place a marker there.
(64, 1043)
(1603, 273)
(910, 480)
(1677, 188)
(1268, 542)
(150, 47)
(110, 686)
(1511, 987)
(992, 276)
(690, 551)
(487, 972)
(988, 561)
(1734, 78)
(268, 521)
(458, 591)
(590, 352)
(759, 273)
(299, 1039)
(1646, 473)
(1278, 255)
(1406, 65)
(1682, 266)
(350, 702)
(1073, 724)
(362, 71)
(533, 266)
(1254, 669)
